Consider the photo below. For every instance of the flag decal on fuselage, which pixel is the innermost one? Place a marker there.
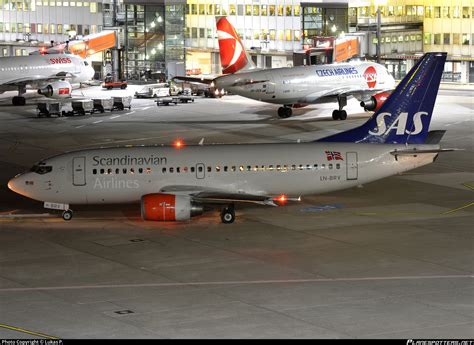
(334, 156)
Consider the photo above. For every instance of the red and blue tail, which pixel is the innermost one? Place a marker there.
(404, 118)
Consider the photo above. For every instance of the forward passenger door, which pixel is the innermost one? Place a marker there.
(79, 171)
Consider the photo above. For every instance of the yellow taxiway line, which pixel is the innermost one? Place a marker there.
(18, 329)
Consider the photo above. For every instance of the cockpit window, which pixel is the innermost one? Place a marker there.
(86, 63)
(41, 169)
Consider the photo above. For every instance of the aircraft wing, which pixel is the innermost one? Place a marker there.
(215, 196)
(35, 79)
(198, 80)
(361, 95)
(364, 95)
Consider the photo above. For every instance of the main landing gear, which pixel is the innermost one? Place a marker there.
(19, 100)
(340, 114)
(67, 215)
(285, 112)
(228, 214)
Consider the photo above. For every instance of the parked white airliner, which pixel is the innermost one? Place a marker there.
(51, 74)
(175, 182)
(294, 87)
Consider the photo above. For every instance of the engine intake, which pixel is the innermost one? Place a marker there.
(375, 101)
(169, 207)
(57, 89)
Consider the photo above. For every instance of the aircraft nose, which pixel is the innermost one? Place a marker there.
(14, 183)
(20, 184)
(11, 184)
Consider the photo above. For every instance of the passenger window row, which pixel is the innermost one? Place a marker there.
(21, 68)
(124, 171)
(218, 168)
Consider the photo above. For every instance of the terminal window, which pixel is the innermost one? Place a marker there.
(446, 38)
(465, 12)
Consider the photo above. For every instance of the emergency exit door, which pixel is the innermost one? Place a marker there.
(351, 165)
(79, 171)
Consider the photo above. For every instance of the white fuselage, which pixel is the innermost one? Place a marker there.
(309, 84)
(36, 70)
(122, 175)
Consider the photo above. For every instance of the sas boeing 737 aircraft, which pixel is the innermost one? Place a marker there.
(294, 87)
(174, 183)
(51, 74)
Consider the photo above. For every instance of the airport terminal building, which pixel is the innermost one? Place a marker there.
(27, 24)
(172, 37)
(410, 28)
(151, 36)
(272, 30)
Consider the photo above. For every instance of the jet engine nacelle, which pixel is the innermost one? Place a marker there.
(168, 207)
(57, 89)
(375, 101)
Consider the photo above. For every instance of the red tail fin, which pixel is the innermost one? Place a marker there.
(231, 49)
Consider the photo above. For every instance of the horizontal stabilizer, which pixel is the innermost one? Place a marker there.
(434, 137)
(197, 80)
(419, 152)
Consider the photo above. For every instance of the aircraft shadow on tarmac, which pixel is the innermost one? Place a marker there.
(272, 111)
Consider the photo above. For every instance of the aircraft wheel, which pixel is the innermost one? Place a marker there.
(335, 115)
(281, 112)
(285, 112)
(228, 215)
(123, 87)
(342, 115)
(67, 215)
(18, 100)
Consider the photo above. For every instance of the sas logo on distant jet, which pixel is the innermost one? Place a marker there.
(370, 76)
(399, 124)
(60, 60)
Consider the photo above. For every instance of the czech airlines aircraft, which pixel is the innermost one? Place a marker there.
(175, 182)
(51, 74)
(294, 87)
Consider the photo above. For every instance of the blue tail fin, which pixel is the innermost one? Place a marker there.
(404, 118)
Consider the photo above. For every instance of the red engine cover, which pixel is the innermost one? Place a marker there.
(159, 207)
(379, 99)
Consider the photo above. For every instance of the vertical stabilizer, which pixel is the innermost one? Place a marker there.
(234, 58)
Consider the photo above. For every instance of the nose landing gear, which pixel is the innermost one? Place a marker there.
(19, 100)
(67, 215)
(340, 114)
